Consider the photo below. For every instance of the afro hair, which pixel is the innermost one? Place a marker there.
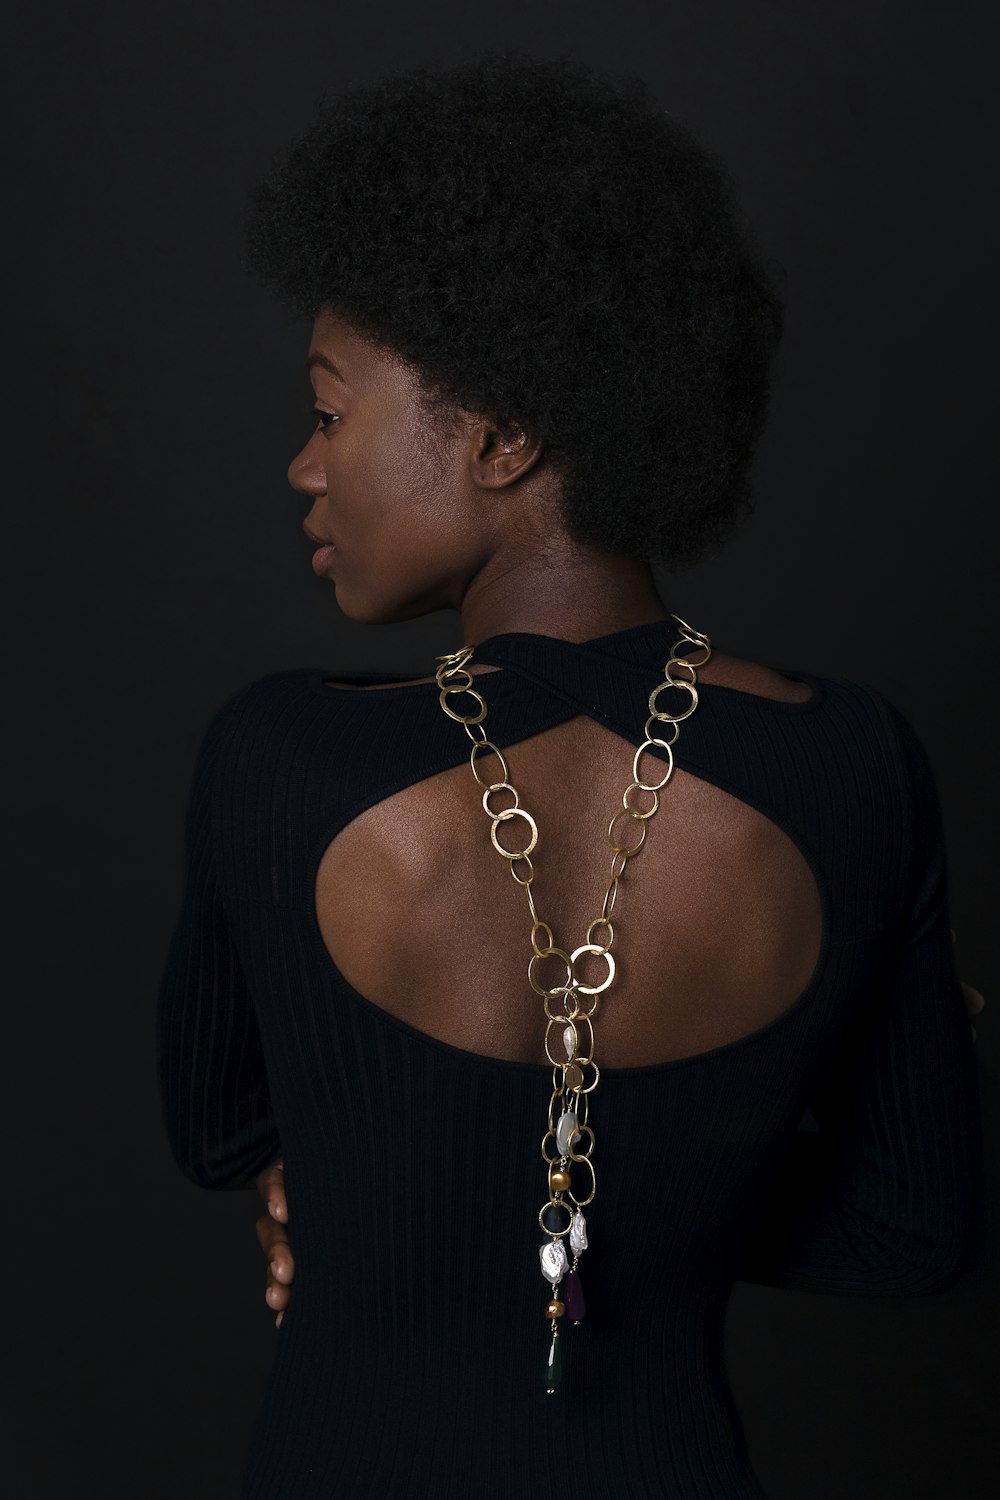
(551, 249)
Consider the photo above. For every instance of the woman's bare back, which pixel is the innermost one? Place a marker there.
(718, 920)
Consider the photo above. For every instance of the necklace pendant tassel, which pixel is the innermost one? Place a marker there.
(553, 1364)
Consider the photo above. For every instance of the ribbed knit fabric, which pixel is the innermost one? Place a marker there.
(410, 1360)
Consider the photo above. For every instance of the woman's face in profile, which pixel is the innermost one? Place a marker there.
(398, 502)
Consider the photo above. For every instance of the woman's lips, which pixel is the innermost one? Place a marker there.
(322, 558)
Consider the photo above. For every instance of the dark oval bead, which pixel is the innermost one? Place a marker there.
(576, 1308)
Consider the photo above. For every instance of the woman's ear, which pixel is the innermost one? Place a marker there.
(501, 457)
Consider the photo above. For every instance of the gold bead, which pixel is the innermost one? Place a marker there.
(573, 1076)
(555, 1308)
(559, 1179)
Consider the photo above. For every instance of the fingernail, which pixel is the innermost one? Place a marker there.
(277, 1321)
(275, 1267)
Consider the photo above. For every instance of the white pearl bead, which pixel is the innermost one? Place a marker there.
(553, 1258)
(578, 1233)
(566, 1131)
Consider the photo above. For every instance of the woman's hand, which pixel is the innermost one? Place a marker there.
(974, 1001)
(273, 1239)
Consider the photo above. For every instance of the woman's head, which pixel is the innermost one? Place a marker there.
(551, 263)
(415, 513)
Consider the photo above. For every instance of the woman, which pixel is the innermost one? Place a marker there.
(541, 351)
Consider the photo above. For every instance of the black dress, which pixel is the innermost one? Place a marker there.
(410, 1361)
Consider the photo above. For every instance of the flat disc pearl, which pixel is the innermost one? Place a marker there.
(566, 1131)
(553, 1257)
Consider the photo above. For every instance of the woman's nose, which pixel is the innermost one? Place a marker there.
(305, 472)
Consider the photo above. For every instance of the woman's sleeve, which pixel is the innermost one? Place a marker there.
(212, 1078)
(886, 1197)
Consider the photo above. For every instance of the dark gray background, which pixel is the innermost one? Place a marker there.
(155, 562)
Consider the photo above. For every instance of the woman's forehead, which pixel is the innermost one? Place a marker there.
(355, 361)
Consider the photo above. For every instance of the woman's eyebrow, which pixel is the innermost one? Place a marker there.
(320, 359)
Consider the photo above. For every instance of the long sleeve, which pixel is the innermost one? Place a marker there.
(212, 1078)
(886, 1198)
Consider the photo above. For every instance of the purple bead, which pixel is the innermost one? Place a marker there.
(573, 1297)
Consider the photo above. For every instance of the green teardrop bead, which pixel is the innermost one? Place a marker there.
(553, 1365)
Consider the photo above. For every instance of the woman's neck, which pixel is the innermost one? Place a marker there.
(575, 597)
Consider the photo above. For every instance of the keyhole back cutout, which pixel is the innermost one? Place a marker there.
(719, 920)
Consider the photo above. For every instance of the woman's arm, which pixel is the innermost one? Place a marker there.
(886, 1198)
(213, 1082)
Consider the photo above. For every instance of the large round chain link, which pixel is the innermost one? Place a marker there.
(569, 1005)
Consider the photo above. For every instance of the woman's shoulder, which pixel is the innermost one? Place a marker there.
(856, 716)
(753, 677)
(252, 695)
(242, 711)
(795, 685)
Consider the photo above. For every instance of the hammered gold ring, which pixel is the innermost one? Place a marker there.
(558, 989)
(636, 817)
(595, 989)
(501, 786)
(681, 687)
(503, 817)
(464, 718)
(489, 745)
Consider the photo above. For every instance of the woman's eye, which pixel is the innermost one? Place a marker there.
(323, 417)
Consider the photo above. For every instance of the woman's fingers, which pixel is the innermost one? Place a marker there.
(273, 1239)
(974, 1001)
(271, 1187)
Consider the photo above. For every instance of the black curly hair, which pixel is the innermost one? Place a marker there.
(548, 248)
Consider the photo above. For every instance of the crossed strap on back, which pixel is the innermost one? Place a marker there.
(605, 680)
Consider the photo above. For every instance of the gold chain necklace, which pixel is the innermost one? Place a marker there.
(562, 1005)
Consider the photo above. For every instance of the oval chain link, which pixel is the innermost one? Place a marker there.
(570, 1014)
